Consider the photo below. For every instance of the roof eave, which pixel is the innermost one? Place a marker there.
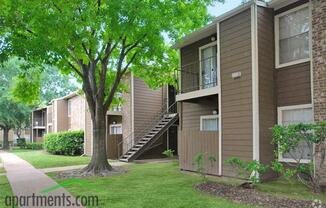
(193, 37)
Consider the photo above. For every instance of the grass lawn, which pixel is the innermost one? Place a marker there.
(41, 159)
(5, 190)
(147, 186)
(290, 189)
(163, 185)
(2, 170)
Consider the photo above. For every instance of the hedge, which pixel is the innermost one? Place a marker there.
(33, 146)
(65, 143)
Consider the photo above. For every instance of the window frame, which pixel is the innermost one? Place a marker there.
(216, 116)
(280, 121)
(115, 125)
(277, 37)
(214, 43)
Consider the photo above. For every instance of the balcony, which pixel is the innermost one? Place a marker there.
(115, 110)
(198, 79)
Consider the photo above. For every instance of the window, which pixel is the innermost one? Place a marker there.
(69, 108)
(292, 36)
(115, 129)
(208, 65)
(293, 115)
(209, 123)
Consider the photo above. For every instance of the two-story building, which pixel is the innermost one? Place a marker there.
(255, 66)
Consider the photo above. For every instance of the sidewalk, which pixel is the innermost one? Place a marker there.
(26, 181)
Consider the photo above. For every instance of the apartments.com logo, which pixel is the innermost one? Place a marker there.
(51, 201)
(44, 200)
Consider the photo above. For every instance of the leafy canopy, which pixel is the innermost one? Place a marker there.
(13, 115)
(106, 37)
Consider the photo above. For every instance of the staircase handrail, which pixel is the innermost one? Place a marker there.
(152, 121)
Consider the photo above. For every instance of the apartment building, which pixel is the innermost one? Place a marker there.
(144, 126)
(258, 65)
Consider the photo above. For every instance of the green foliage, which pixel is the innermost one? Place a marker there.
(288, 138)
(199, 160)
(21, 142)
(251, 170)
(33, 146)
(13, 115)
(65, 143)
(168, 153)
(134, 31)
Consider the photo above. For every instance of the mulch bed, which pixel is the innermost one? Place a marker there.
(254, 197)
(77, 173)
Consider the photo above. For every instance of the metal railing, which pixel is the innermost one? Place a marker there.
(190, 79)
(148, 125)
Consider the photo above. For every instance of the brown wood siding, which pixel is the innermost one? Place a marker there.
(191, 111)
(193, 142)
(113, 146)
(190, 63)
(126, 111)
(76, 121)
(294, 85)
(61, 115)
(147, 104)
(235, 38)
(267, 98)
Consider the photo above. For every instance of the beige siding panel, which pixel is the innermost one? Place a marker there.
(193, 142)
(191, 111)
(77, 118)
(126, 112)
(147, 105)
(267, 98)
(190, 63)
(88, 134)
(236, 94)
(61, 115)
(293, 85)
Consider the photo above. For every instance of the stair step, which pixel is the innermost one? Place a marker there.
(123, 160)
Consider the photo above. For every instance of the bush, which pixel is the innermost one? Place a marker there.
(168, 153)
(251, 170)
(288, 138)
(33, 146)
(65, 143)
(21, 142)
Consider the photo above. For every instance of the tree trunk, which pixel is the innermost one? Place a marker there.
(6, 139)
(99, 164)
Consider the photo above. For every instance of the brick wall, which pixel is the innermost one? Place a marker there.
(319, 73)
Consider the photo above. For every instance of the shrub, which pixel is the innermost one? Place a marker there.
(168, 153)
(251, 170)
(288, 138)
(65, 143)
(21, 142)
(200, 166)
(33, 146)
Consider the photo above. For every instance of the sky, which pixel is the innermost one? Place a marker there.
(220, 8)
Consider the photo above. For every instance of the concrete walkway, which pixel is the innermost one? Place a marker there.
(74, 167)
(30, 185)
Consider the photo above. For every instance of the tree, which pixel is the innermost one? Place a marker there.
(13, 115)
(98, 41)
(55, 84)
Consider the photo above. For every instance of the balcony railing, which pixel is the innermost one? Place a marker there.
(190, 79)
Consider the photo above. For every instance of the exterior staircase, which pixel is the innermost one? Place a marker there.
(149, 138)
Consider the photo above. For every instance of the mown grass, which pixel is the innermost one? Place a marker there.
(5, 190)
(42, 159)
(147, 186)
